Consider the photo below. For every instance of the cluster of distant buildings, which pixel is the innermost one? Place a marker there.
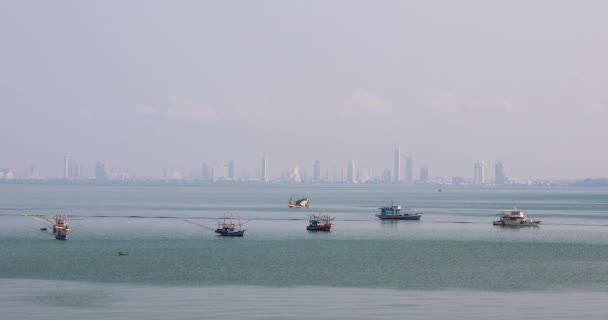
(350, 174)
(103, 171)
(7, 174)
(479, 173)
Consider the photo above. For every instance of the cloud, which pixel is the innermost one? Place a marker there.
(180, 110)
(362, 102)
(445, 101)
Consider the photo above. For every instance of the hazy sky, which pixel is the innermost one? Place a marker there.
(172, 84)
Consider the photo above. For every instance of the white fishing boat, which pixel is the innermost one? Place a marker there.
(300, 203)
(515, 218)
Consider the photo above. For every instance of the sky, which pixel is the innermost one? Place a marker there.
(152, 85)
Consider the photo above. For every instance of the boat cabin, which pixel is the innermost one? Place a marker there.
(390, 210)
(514, 214)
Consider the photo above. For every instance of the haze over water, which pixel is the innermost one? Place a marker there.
(453, 263)
(153, 85)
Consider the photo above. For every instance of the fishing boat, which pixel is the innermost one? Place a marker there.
(515, 218)
(229, 228)
(393, 212)
(318, 222)
(60, 227)
(225, 227)
(300, 203)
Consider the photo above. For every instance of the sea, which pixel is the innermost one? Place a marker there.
(452, 264)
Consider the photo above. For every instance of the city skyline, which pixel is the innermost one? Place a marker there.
(228, 172)
(297, 82)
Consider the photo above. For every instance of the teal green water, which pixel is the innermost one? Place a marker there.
(453, 247)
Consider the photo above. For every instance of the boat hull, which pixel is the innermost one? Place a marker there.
(400, 217)
(232, 234)
(534, 223)
(61, 236)
(296, 206)
(319, 228)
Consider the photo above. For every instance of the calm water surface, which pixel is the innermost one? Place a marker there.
(452, 264)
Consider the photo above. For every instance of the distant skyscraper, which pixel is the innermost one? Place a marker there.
(32, 171)
(386, 176)
(102, 170)
(500, 178)
(409, 169)
(351, 173)
(295, 175)
(230, 168)
(479, 173)
(76, 174)
(424, 175)
(265, 169)
(316, 168)
(364, 175)
(332, 175)
(397, 170)
(206, 173)
(67, 166)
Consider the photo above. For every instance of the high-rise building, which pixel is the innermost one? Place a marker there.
(479, 171)
(364, 175)
(76, 174)
(386, 176)
(206, 172)
(230, 168)
(500, 178)
(351, 173)
(333, 175)
(32, 171)
(67, 166)
(397, 170)
(102, 170)
(316, 171)
(424, 175)
(409, 170)
(265, 169)
(221, 173)
(295, 175)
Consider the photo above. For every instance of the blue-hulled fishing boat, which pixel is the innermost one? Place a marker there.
(393, 212)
